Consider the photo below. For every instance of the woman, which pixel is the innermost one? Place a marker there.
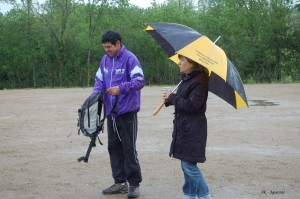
(190, 126)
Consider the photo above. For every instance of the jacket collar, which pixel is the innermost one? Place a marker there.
(194, 73)
(120, 53)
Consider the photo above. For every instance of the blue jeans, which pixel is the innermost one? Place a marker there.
(195, 185)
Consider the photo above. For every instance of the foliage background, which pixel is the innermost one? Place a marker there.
(57, 43)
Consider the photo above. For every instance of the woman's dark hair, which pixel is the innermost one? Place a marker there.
(111, 37)
(196, 66)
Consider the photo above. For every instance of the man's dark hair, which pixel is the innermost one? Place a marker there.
(111, 37)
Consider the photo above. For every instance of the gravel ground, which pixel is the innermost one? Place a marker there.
(251, 152)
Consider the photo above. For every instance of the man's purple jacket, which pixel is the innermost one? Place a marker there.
(124, 71)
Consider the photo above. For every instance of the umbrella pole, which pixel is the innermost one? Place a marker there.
(163, 103)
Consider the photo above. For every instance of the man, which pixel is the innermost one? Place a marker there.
(121, 76)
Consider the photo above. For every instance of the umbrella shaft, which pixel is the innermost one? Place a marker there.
(176, 87)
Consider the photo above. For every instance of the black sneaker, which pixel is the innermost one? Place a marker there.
(133, 192)
(116, 188)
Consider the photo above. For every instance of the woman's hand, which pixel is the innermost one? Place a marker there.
(166, 95)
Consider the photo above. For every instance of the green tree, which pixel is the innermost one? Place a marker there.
(58, 43)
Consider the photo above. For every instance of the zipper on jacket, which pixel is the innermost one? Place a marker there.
(111, 97)
(111, 72)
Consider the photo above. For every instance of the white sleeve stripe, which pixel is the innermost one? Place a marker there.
(140, 78)
(99, 74)
(136, 70)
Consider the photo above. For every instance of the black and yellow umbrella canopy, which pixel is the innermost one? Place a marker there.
(224, 81)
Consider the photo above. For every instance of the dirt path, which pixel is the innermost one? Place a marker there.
(251, 153)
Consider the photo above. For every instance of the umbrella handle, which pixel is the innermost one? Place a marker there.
(158, 108)
(163, 103)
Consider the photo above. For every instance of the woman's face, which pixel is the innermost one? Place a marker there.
(185, 66)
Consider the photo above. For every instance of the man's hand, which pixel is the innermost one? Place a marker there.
(113, 90)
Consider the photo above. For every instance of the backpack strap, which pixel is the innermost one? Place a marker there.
(91, 145)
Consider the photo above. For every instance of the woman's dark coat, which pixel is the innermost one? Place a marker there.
(190, 124)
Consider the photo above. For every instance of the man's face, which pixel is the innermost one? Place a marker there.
(110, 49)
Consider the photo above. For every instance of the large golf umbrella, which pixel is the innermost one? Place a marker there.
(224, 81)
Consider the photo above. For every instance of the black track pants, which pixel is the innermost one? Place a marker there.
(122, 134)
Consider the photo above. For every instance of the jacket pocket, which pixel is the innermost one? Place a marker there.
(185, 126)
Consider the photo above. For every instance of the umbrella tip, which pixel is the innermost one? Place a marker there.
(149, 28)
(217, 39)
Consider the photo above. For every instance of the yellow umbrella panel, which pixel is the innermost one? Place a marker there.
(208, 54)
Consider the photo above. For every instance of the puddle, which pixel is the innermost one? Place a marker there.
(7, 117)
(247, 150)
(257, 150)
(262, 103)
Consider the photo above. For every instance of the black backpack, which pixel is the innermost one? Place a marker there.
(89, 120)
